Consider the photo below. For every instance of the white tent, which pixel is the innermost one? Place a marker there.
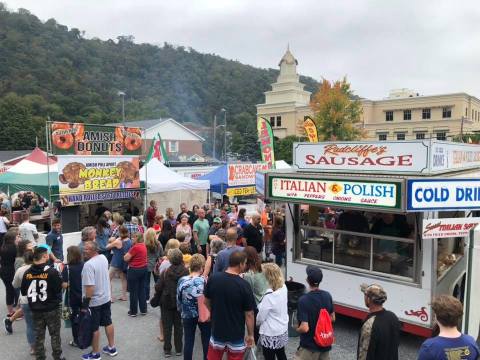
(170, 189)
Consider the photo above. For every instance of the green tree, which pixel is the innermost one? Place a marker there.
(284, 148)
(337, 112)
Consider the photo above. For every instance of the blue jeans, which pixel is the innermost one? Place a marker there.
(27, 315)
(189, 327)
(136, 279)
(147, 283)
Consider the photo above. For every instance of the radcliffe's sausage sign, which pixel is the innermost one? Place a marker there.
(443, 194)
(397, 157)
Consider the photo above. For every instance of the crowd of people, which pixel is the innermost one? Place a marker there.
(215, 269)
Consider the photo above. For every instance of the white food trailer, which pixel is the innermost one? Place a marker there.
(394, 213)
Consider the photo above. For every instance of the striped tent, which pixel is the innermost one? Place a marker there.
(34, 173)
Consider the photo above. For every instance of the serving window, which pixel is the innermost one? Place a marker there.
(379, 243)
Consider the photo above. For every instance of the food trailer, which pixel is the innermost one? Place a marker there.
(394, 213)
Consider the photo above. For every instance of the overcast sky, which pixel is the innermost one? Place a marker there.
(432, 46)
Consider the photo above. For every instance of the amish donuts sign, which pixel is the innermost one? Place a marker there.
(90, 139)
(97, 173)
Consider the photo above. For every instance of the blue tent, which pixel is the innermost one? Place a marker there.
(218, 179)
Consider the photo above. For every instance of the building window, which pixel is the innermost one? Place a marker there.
(426, 114)
(389, 116)
(447, 112)
(420, 136)
(401, 136)
(473, 114)
(382, 137)
(173, 146)
(272, 121)
(441, 135)
(279, 121)
(407, 114)
(466, 111)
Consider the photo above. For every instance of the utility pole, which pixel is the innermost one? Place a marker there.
(225, 134)
(122, 94)
(214, 137)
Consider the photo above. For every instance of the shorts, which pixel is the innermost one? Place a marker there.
(101, 316)
(114, 271)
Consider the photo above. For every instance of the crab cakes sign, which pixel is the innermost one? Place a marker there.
(97, 173)
(88, 139)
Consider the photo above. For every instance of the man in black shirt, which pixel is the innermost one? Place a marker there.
(42, 285)
(184, 210)
(230, 300)
(253, 233)
(380, 331)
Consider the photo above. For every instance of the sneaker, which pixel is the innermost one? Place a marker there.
(110, 351)
(167, 354)
(132, 315)
(91, 356)
(8, 325)
(143, 313)
(178, 353)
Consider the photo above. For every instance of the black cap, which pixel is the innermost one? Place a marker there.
(314, 275)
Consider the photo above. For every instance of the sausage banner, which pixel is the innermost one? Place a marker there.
(310, 129)
(265, 137)
(97, 173)
(91, 139)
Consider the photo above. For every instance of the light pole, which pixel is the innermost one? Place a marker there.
(225, 133)
(122, 94)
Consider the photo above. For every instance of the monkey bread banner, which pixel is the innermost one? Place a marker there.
(91, 139)
(265, 137)
(310, 129)
(97, 173)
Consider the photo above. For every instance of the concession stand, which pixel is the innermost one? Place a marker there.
(97, 166)
(394, 213)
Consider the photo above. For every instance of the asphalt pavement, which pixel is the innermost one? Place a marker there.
(136, 338)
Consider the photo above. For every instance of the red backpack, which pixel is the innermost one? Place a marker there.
(324, 330)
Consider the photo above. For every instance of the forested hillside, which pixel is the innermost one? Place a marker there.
(50, 71)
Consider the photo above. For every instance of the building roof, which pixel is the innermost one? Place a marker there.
(145, 124)
(420, 97)
(13, 154)
(288, 58)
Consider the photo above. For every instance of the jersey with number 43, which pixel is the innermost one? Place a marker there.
(42, 285)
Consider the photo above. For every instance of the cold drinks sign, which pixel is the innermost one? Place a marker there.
(361, 193)
(443, 194)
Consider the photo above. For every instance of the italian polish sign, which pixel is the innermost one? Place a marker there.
(448, 227)
(394, 157)
(361, 193)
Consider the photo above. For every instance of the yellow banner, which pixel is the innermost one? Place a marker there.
(241, 191)
(310, 129)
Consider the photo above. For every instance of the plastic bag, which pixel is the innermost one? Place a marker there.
(250, 354)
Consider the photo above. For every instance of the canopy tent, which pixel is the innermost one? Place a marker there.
(161, 179)
(170, 189)
(219, 177)
(31, 174)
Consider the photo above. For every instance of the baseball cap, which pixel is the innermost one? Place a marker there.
(217, 220)
(375, 292)
(314, 274)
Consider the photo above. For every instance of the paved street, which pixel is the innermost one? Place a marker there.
(136, 338)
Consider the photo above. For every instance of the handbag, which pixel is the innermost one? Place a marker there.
(85, 329)
(66, 309)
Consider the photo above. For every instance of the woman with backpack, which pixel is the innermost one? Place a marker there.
(272, 314)
(118, 266)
